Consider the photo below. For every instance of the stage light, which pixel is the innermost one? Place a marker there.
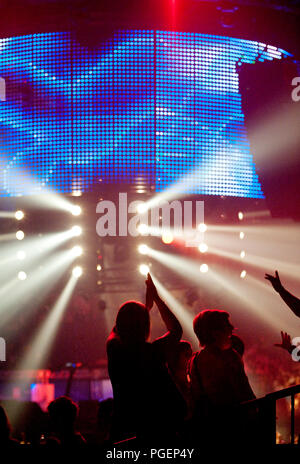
(187, 268)
(20, 235)
(76, 193)
(37, 285)
(76, 230)
(203, 247)
(36, 355)
(242, 254)
(203, 268)
(243, 274)
(22, 275)
(142, 229)
(240, 215)
(77, 271)
(99, 267)
(19, 215)
(167, 238)
(76, 210)
(21, 255)
(202, 227)
(143, 249)
(77, 250)
(242, 235)
(144, 269)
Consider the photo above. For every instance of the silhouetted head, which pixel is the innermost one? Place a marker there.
(5, 428)
(212, 326)
(238, 344)
(133, 322)
(63, 413)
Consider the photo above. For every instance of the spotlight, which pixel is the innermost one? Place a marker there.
(77, 271)
(143, 249)
(19, 215)
(22, 275)
(203, 268)
(142, 229)
(21, 255)
(242, 254)
(99, 267)
(242, 235)
(243, 274)
(76, 193)
(202, 227)
(203, 248)
(76, 210)
(167, 238)
(20, 235)
(144, 269)
(77, 250)
(240, 215)
(76, 230)
(142, 208)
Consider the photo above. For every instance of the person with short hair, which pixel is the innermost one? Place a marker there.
(218, 380)
(63, 414)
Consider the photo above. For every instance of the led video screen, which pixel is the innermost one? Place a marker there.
(149, 107)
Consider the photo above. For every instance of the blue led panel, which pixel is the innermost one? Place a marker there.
(134, 110)
(175, 107)
(16, 114)
(142, 107)
(93, 115)
(36, 124)
(51, 71)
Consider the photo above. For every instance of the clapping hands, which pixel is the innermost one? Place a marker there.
(151, 292)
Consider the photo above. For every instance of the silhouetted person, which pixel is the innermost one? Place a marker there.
(218, 380)
(237, 344)
(292, 301)
(63, 414)
(104, 421)
(147, 403)
(5, 431)
(178, 364)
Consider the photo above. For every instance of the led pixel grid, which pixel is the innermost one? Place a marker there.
(149, 107)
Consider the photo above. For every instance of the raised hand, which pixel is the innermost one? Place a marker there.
(286, 343)
(275, 281)
(151, 292)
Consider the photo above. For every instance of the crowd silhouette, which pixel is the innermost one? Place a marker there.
(163, 393)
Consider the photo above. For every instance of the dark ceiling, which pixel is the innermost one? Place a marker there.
(271, 21)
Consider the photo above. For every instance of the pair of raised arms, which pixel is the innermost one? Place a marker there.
(293, 303)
